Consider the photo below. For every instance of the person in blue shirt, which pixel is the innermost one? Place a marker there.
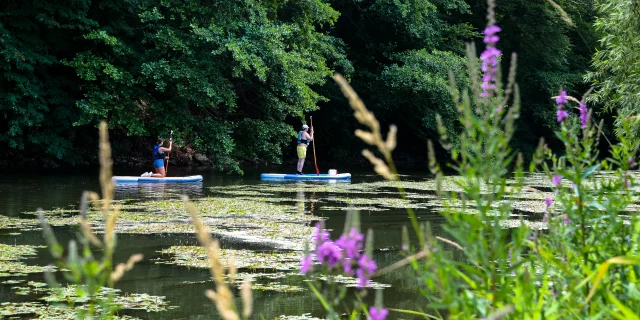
(304, 138)
(158, 159)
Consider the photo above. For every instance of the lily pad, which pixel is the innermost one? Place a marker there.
(275, 286)
(13, 268)
(193, 256)
(16, 252)
(353, 282)
(44, 312)
(306, 316)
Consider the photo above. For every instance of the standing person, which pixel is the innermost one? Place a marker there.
(303, 141)
(158, 159)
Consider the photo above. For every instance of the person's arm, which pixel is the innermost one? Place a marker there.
(308, 137)
(163, 149)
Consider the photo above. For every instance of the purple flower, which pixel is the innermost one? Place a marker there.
(548, 202)
(491, 39)
(562, 98)
(367, 268)
(404, 247)
(351, 243)
(377, 314)
(306, 264)
(545, 218)
(489, 60)
(631, 162)
(491, 30)
(566, 220)
(347, 266)
(628, 184)
(330, 253)
(320, 235)
(556, 180)
(363, 279)
(562, 114)
(367, 264)
(584, 115)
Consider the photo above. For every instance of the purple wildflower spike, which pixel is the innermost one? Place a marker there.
(489, 60)
(556, 180)
(367, 268)
(562, 114)
(584, 115)
(330, 253)
(306, 264)
(320, 235)
(548, 202)
(561, 100)
(377, 314)
(351, 243)
(566, 220)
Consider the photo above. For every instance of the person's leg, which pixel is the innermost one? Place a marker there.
(302, 155)
(159, 173)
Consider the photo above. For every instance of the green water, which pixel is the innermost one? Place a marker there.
(21, 193)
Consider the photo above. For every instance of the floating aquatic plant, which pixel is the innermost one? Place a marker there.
(275, 286)
(191, 256)
(306, 316)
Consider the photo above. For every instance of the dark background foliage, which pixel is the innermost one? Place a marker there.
(236, 79)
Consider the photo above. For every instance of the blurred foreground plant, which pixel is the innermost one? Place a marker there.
(91, 274)
(222, 295)
(343, 257)
(583, 266)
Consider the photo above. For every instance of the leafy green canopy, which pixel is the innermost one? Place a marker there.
(231, 77)
(552, 54)
(616, 66)
(402, 52)
(224, 75)
(37, 93)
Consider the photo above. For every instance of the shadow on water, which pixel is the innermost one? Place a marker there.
(184, 287)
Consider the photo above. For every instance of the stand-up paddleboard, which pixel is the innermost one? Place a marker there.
(134, 179)
(293, 176)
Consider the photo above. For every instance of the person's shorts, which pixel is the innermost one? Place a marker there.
(157, 163)
(302, 152)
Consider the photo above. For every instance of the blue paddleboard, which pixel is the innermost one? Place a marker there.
(134, 179)
(282, 176)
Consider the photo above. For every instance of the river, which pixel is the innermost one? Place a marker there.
(182, 286)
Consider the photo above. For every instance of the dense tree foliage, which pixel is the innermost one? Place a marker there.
(616, 66)
(38, 92)
(234, 78)
(402, 52)
(551, 53)
(223, 74)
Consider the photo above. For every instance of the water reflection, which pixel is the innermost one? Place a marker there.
(176, 283)
(158, 191)
(300, 202)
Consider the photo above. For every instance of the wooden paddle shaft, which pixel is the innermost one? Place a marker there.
(166, 165)
(313, 142)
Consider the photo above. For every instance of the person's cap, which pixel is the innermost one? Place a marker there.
(304, 126)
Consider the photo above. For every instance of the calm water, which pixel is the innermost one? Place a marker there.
(26, 192)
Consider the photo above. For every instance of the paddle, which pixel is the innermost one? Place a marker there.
(166, 165)
(313, 142)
